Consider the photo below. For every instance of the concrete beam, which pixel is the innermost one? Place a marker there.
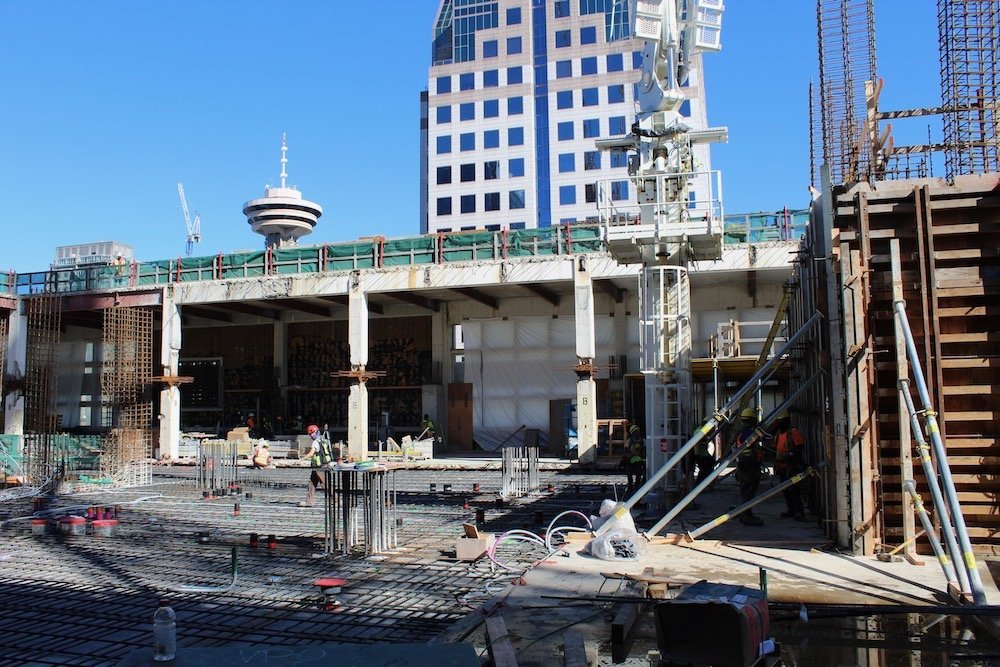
(206, 313)
(612, 290)
(304, 306)
(414, 300)
(342, 300)
(102, 301)
(247, 309)
(480, 296)
(547, 294)
(8, 303)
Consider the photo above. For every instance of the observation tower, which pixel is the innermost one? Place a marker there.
(282, 216)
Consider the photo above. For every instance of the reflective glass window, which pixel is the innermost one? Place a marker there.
(491, 78)
(563, 38)
(467, 141)
(514, 16)
(564, 69)
(466, 81)
(490, 48)
(590, 97)
(588, 35)
(515, 75)
(591, 127)
(564, 99)
(444, 144)
(515, 136)
(564, 130)
(616, 125)
(491, 139)
(515, 167)
(513, 47)
(491, 201)
(443, 84)
(516, 200)
(491, 108)
(515, 106)
(468, 203)
(443, 115)
(567, 194)
(467, 111)
(616, 94)
(567, 162)
(491, 170)
(467, 173)
(591, 160)
(444, 205)
(616, 63)
(588, 65)
(443, 175)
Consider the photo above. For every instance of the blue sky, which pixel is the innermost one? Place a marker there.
(105, 105)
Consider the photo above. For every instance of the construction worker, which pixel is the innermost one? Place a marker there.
(748, 463)
(320, 456)
(428, 427)
(261, 456)
(789, 446)
(703, 460)
(635, 464)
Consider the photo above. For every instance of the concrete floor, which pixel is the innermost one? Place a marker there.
(88, 600)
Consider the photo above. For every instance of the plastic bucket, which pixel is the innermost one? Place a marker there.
(73, 525)
(104, 527)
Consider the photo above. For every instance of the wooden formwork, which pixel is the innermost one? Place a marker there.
(949, 253)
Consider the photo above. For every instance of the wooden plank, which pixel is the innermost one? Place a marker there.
(954, 461)
(954, 415)
(500, 647)
(621, 629)
(574, 649)
(959, 478)
(964, 497)
(905, 458)
(974, 337)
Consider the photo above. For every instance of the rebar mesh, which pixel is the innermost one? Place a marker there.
(125, 374)
(969, 37)
(846, 63)
(44, 319)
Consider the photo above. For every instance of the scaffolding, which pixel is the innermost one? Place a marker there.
(125, 375)
(969, 39)
(846, 65)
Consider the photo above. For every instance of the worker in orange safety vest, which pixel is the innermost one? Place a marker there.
(789, 447)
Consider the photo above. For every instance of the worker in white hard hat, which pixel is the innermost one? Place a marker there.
(748, 463)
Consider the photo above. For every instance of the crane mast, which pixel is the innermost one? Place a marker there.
(193, 227)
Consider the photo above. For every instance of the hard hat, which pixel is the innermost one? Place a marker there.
(748, 413)
(312, 428)
(633, 428)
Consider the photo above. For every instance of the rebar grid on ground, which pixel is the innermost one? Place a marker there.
(87, 600)
(125, 373)
(846, 62)
(969, 41)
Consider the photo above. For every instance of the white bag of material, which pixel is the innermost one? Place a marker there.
(618, 545)
(606, 513)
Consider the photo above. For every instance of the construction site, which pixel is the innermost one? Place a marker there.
(479, 389)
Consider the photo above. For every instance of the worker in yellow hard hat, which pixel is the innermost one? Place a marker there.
(748, 463)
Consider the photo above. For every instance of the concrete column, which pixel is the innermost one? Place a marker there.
(357, 409)
(586, 388)
(17, 356)
(280, 356)
(170, 395)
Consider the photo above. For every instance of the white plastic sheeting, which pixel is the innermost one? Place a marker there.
(516, 366)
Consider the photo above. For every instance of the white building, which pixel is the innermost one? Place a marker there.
(518, 92)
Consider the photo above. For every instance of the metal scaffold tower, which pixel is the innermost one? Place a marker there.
(969, 39)
(665, 344)
(846, 65)
(44, 319)
(125, 375)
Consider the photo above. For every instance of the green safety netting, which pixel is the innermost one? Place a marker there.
(467, 246)
(348, 256)
(154, 273)
(196, 268)
(244, 264)
(419, 250)
(10, 454)
(296, 260)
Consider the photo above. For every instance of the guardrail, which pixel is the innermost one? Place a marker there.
(372, 253)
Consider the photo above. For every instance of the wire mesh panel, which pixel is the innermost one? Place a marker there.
(44, 319)
(519, 471)
(125, 374)
(969, 36)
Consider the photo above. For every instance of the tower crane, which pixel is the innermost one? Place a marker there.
(193, 227)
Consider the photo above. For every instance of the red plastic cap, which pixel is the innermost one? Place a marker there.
(330, 582)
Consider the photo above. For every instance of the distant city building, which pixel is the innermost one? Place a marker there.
(282, 216)
(518, 92)
(89, 254)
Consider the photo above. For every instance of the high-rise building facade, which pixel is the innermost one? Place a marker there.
(518, 93)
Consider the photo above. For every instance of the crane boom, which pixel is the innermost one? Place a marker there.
(193, 227)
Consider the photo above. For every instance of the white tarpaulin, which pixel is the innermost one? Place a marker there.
(516, 366)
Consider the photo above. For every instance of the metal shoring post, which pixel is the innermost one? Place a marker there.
(969, 559)
(328, 527)
(393, 525)
(622, 508)
(932, 536)
(696, 491)
(932, 483)
(736, 511)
